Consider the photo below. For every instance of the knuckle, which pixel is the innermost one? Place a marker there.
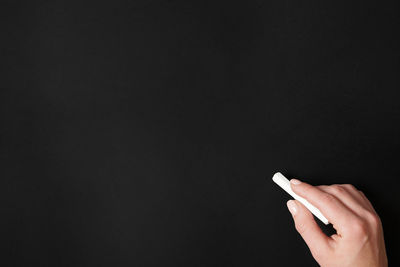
(373, 219)
(337, 189)
(328, 199)
(350, 187)
(359, 228)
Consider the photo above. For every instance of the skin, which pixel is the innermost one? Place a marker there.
(359, 239)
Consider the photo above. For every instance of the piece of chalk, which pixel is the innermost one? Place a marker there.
(284, 183)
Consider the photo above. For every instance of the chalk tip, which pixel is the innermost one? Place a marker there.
(276, 175)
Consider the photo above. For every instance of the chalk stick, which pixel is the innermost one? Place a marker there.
(284, 183)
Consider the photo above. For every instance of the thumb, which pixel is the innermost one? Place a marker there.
(316, 240)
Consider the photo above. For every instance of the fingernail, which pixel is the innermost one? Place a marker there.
(292, 206)
(295, 181)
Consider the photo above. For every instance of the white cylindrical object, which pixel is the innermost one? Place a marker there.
(284, 183)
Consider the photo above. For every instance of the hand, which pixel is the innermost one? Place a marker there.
(359, 239)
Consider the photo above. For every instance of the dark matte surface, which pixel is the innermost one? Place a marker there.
(141, 133)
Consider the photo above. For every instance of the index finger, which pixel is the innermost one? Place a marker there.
(332, 208)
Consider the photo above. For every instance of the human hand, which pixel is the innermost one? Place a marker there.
(359, 239)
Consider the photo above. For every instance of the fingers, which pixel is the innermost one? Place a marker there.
(350, 196)
(333, 209)
(305, 224)
(353, 201)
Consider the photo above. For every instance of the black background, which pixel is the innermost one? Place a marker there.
(145, 133)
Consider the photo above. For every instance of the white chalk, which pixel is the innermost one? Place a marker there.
(284, 183)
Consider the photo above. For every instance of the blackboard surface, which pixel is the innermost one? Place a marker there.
(145, 133)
